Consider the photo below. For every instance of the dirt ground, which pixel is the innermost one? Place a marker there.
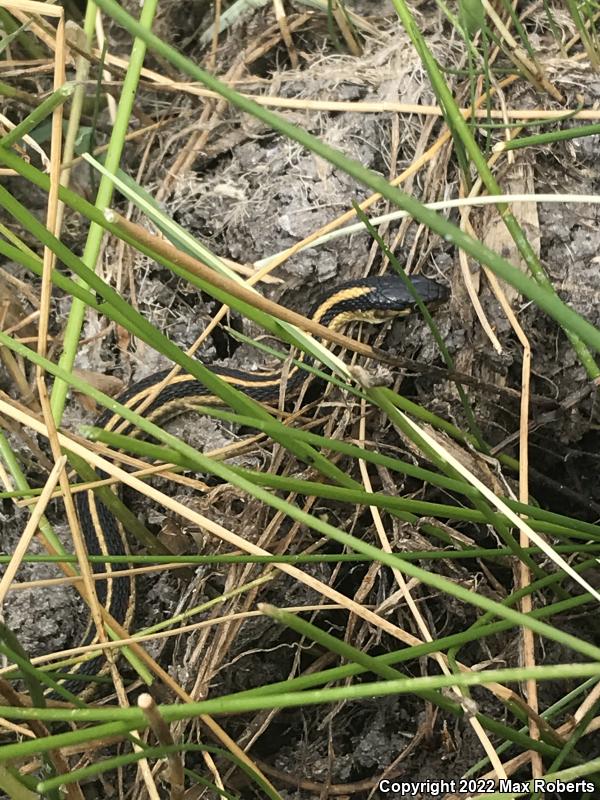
(248, 194)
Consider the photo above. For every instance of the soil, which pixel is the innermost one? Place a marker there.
(248, 194)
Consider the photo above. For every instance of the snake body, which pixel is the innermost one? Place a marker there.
(374, 300)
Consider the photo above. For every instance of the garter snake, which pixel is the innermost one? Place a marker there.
(374, 300)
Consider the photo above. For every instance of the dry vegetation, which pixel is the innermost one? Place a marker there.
(452, 444)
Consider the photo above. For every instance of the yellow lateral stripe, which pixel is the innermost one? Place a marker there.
(264, 381)
(340, 297)
(372, 317)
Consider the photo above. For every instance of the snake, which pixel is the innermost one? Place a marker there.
(375, 299)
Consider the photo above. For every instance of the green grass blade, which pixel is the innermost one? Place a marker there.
(104, 195)
(542, 295)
